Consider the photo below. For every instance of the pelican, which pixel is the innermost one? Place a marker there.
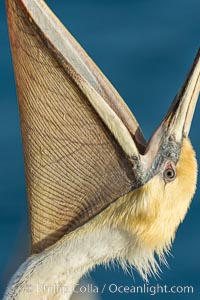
(97, 190)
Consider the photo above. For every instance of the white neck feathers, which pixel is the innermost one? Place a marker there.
(54, 273)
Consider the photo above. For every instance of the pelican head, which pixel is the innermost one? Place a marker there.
(167, 170)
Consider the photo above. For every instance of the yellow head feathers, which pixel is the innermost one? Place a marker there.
(153, 212)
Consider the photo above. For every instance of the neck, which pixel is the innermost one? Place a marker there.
(54, 273)
(130, 231)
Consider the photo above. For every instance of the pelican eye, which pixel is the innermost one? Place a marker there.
(169, 173)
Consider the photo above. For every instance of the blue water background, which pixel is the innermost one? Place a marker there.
(145, 48)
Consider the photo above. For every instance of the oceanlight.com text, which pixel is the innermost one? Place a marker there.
(111, 288)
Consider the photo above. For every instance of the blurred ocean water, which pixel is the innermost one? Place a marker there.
(145, 48)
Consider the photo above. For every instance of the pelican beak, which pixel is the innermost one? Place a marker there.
(179, 118)
(166, 142)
